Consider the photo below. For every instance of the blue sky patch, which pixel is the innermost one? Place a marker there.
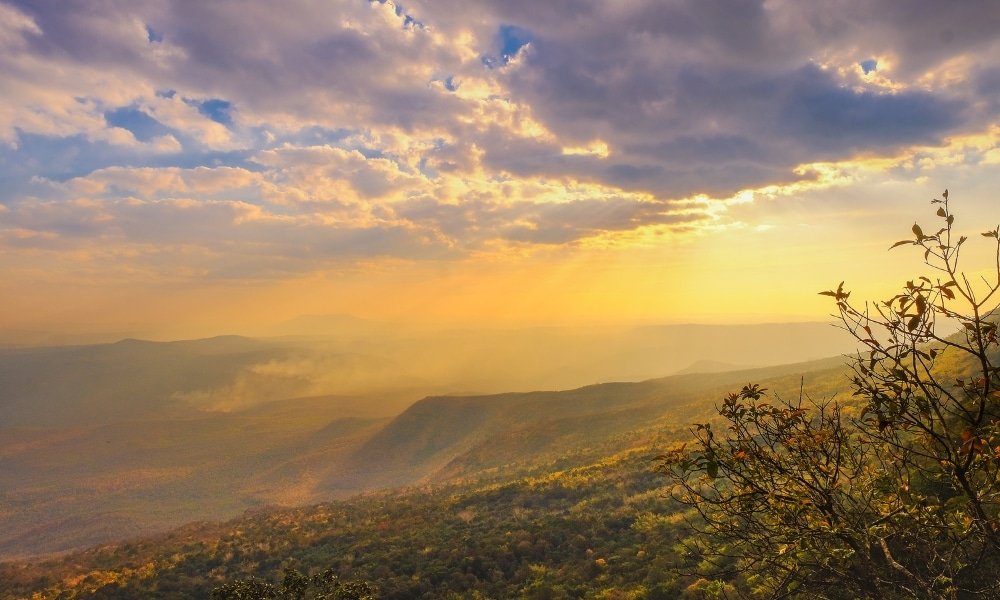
(63, 158)
(512, 39)
(869, 65)
(370, 153)
(152, 35)
(142, 126)
(218, 110)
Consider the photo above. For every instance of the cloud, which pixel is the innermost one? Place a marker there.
(16, 27)
(668, 84)
(270, 138)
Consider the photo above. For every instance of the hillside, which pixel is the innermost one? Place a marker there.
(75, 487)
(581, 532)
(295, 455)
(442, 437)
(103, 442)
(552, 495)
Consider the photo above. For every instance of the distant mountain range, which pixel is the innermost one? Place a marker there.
(510, 495)
(99, 443)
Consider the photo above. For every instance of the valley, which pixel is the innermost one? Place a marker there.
(544, 455)
(109, 442)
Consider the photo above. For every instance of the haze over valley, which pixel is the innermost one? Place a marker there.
(158, 434)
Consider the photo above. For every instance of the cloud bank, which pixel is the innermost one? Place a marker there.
(254, 140)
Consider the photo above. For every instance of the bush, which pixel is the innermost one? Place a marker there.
(892, 494)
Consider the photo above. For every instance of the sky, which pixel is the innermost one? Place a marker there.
(194, 168)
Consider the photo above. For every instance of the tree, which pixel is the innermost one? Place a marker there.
(894, 493)
(296, 586)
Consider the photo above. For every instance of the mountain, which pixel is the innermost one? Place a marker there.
(69, 386)
(106, 441)
(75, 486)
(439, 438)
(134, 380)
(563, 505)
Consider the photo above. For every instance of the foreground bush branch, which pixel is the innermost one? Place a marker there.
(894, 493)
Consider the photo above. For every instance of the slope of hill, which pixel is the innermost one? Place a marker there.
(103, 442)
(552, 496)
(603, 528)
(431, 439)
(73, 487)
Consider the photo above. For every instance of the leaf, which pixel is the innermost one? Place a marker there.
(940, 211)
(903, 243)
(917, 231)
(712, 469)
(945, 194)
(913, 322)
